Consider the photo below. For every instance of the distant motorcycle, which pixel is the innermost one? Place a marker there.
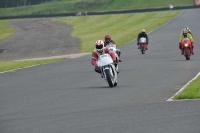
(108, 70)
(142, 44)
(186, 48)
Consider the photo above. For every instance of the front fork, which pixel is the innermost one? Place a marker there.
(190, 49)
(103, 71)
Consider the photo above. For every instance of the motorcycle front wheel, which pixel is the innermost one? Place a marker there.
(107, 72)
(187, 54)
(142, 50)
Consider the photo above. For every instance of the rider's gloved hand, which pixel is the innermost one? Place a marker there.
(147, 43)
(138, 43)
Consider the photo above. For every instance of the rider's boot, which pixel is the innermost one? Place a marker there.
(97, 70)
(116, 68)
(182, 52)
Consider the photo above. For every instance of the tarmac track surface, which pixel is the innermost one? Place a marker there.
(35, 38)
(69, 97)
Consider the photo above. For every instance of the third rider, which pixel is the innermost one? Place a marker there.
(140, 35)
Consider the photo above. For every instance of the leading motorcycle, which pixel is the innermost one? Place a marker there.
(108, 70)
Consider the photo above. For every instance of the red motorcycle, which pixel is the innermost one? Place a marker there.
(143, 44)
(186, 48)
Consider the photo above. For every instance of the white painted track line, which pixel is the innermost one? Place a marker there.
(171, 99)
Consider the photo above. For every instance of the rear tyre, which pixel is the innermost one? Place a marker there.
(107, 71)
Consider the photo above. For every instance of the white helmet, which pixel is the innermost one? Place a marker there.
(187, 28)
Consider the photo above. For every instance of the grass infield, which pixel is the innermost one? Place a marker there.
(13, 65)
(64, 6)
(192, 91)
(122, 27)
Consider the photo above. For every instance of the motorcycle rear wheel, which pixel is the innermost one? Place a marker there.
(107, 72)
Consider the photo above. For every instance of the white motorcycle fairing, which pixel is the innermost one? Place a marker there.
(104, 60)
(143, 40)
(108, 71)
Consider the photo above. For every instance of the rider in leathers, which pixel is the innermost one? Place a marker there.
(140, 35)
(189, 31)
(183, 35)
(108, 41)
(100, 50)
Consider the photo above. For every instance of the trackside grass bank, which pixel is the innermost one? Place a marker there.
(192, 91)
(64, 6)
(5, 30)
(122, 28)
(13, 65)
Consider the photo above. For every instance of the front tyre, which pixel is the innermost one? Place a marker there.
(142, 50)
(115, 84)
(107, 72)
(187, 54)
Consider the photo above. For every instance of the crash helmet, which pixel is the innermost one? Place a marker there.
(185, 32)
(99, 45)
(107, 38)
(143, 30)
(187, 29)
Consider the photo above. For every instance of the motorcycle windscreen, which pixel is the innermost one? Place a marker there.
(112, 47)
(142, 40)
(104, 60)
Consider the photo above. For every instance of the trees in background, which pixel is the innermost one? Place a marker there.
(16, 3)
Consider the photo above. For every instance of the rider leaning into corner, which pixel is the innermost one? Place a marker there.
(140, 35)
(183, 35)
(100, 50)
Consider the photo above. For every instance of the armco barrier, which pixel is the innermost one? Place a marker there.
(98, 13)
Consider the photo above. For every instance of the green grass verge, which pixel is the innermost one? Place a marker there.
(12, 65)
(65, 6)
(192, 91)
(5, 30)
(122, 28)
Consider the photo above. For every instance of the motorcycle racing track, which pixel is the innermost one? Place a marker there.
(69, 97)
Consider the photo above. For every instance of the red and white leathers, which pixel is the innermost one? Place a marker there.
(96, 54)
(108, 40)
